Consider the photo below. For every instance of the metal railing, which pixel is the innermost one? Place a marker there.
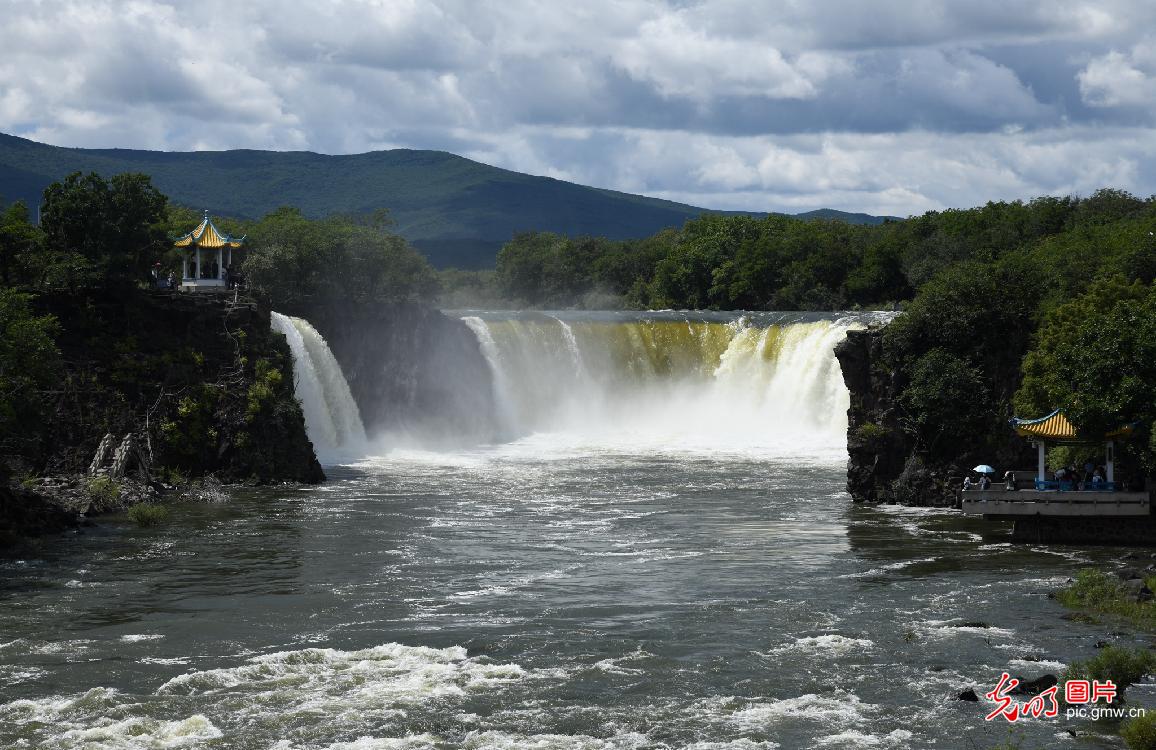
(1065, 486)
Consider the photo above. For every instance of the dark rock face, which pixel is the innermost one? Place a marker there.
(25, 514)
(877, 446)
(413, 371)
(884, 465)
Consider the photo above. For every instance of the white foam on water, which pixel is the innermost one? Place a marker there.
(287, 689)
(740, 744)
(59, 714)
(841, 709)
(494, 740)
(856, 739)
(949, 628)
(411, 742)
(889, 568)
(139, 733)
(1043, 665)
(833, 644)
(384, 680)
(138, 637)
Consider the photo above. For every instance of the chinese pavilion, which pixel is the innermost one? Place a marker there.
(207, 256)
(1056, 429)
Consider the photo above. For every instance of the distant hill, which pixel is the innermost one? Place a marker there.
(459, 212)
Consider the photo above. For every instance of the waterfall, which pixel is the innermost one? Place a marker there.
(761, 383)
(331, 416)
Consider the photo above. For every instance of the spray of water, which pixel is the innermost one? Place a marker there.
(331, 416)
(669, 384)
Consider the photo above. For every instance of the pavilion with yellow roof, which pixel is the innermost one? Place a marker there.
(207, 257)
(1057, 429)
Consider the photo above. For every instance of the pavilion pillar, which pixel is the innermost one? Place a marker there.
(1110, 460)
(184, 266)
(1043, 468)
(198, 276)
(220, 263)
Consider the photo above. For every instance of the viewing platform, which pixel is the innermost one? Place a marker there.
(998, 502)
(1074, 506)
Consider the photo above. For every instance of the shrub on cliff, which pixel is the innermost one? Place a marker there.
(945, 402)
(29, 364)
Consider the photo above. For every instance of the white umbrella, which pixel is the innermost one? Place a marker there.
(984, 469)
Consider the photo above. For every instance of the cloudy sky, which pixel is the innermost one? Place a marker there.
(886, 106)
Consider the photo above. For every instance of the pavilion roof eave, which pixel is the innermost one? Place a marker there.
(1057, 428)
(206, 235)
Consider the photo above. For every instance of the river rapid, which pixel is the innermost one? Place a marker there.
(589, 583)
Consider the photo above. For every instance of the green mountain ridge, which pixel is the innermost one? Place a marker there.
(458, 211)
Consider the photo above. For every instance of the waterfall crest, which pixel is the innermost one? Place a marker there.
(656, 383)
(331, 416)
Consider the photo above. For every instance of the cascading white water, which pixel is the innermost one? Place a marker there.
(331, 416)
(669, 383)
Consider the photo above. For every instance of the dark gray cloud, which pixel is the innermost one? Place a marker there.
(891, 106)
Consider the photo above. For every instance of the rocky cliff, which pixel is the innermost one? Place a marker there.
(204, 387)
(414, 371)
(884, 464)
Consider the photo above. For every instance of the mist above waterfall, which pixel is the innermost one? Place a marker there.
(670, 381)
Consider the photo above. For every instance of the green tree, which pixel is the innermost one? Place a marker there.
(296, 263)
(19, 242)
(946, 403)
(99, 232)
(1095, 357)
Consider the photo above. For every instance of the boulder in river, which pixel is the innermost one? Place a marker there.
(1034, 687)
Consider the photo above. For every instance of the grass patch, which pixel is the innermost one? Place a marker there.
(1140, 733)
(1103, 593)
(104, 492)
(148, 514)
(1122, 666)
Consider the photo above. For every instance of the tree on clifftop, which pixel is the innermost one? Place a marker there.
(99, 232)
(1095, 358)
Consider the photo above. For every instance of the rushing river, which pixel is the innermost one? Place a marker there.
(564, 589)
